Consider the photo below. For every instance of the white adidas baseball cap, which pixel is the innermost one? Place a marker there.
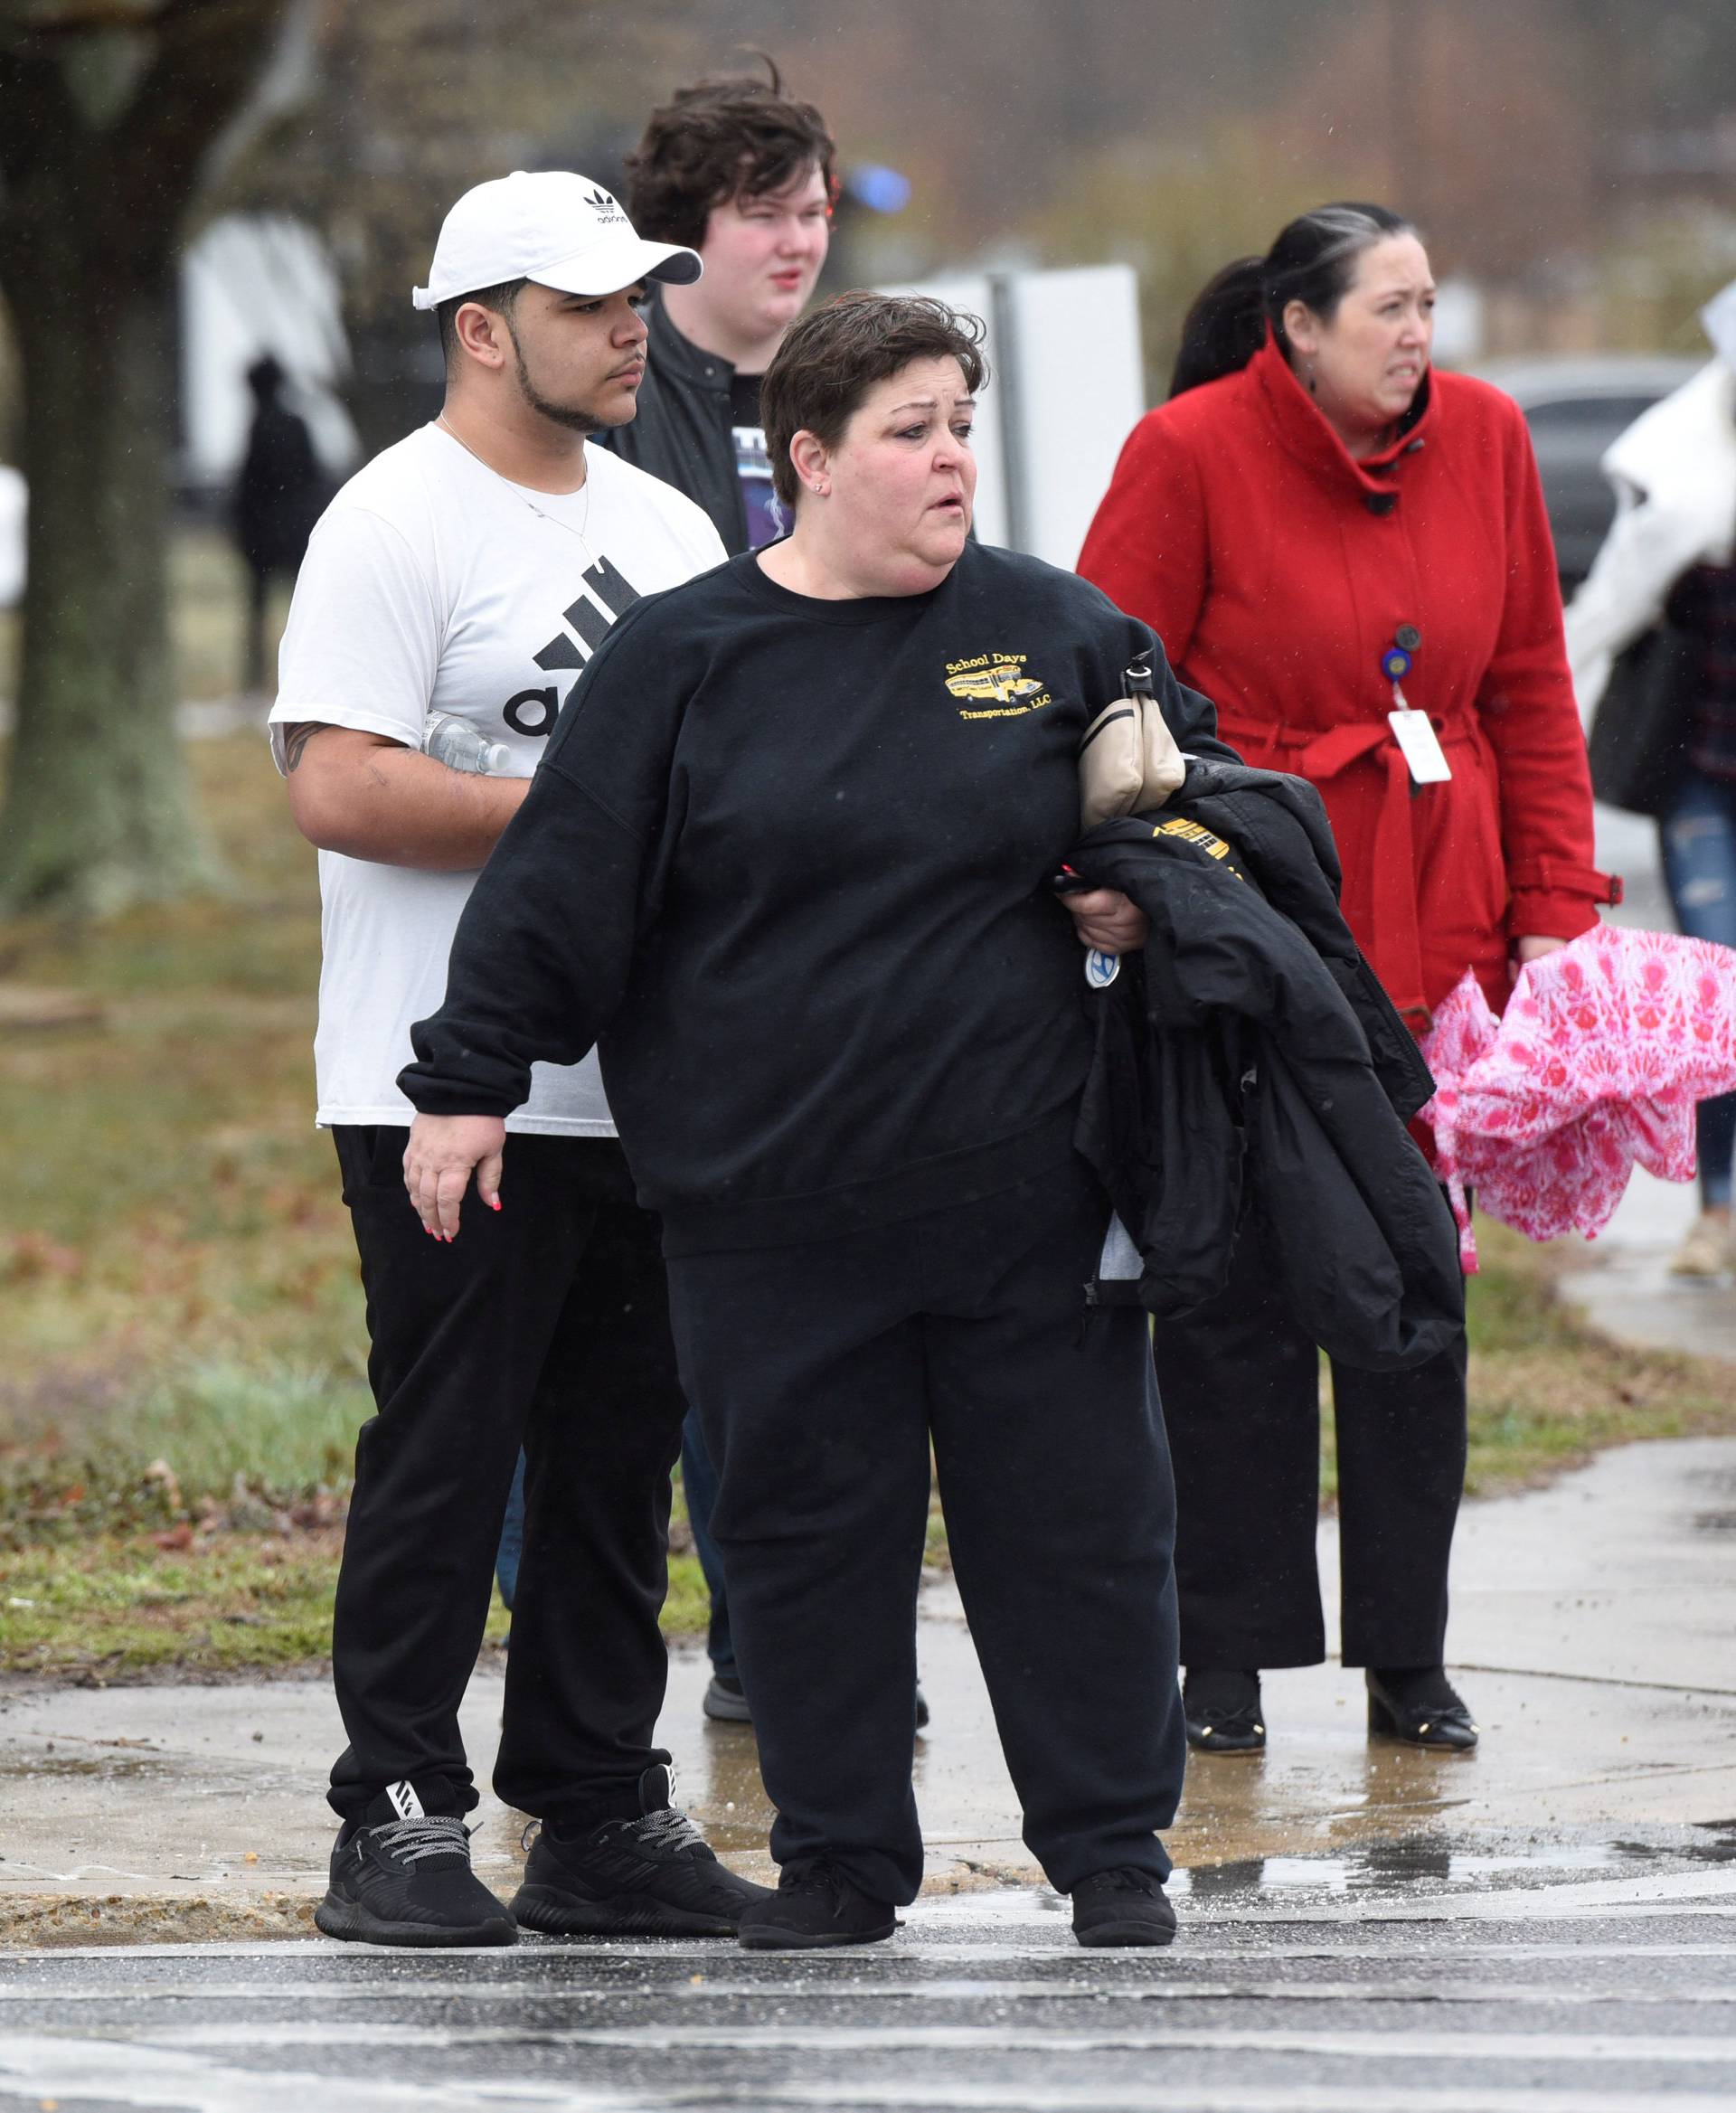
(560, 230)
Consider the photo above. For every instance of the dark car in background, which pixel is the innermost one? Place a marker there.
(1575, 406)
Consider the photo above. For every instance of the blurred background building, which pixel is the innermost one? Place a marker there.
(1573, 164)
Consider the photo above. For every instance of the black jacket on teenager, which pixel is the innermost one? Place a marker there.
(1251, 1062)
(684, 431)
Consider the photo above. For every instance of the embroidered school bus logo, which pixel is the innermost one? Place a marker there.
(1193, 833)
(994, 686)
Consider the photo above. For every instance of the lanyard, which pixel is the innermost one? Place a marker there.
(1412, 729)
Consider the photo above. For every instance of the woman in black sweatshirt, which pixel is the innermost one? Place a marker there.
(787, 866)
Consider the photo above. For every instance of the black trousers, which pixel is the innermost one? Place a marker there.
(546, 1322)
(823, 1374)
(1241, 1400)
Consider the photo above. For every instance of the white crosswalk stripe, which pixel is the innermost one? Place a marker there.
(1571, 2005)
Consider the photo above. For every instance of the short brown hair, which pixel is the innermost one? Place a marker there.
(502, 299)
(833, 356)
(730, 136)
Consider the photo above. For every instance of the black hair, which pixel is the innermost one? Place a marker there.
(500, 299)
(1313, 260)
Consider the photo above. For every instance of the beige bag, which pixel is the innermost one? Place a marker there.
(1128, 760)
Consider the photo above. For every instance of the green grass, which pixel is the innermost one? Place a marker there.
(116, 1606)
(119, 1604)
(1547, 1389)
(184, 1374)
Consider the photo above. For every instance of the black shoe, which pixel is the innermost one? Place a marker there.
(1223, 1710)
(1123, 1908)
(724, 1703)
(1419, 1706)
(654, 1876)
(814, 1904)
(402, 1876)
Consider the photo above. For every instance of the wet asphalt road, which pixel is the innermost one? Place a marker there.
(1463, 1994)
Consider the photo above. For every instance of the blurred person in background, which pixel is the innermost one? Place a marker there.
(793, 879)
(443, 590)
(280, 493)
(1668, 559)
(1330, 538)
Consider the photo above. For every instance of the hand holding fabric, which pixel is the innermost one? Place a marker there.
(1106, 919)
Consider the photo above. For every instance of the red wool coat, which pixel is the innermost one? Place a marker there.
(1278, 570)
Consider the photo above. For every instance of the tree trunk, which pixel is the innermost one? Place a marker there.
(107, 116)
(98, 812)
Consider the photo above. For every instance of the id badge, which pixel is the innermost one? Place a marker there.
(1419, 746)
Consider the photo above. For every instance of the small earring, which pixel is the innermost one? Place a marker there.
(1314, 387)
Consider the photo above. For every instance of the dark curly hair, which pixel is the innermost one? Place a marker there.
(731, 137)
(833, 356)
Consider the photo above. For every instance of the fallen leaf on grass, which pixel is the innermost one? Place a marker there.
(29, 1257)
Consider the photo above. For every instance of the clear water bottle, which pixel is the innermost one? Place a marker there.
(463, 747)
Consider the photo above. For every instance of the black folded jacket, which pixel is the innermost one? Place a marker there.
(1250, 1063)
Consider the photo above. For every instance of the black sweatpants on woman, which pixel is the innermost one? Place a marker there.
(546, 1322)
(822, 1372)
(1241, 1384)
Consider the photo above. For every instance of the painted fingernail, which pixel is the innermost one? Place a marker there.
(494, 1203)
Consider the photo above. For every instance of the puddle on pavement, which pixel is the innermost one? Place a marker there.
(1398, 1866)
(725, 1793)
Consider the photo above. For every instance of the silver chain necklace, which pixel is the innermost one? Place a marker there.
(519, 491)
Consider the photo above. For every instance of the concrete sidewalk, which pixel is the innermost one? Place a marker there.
(1595, 1622)
(1624, 1283)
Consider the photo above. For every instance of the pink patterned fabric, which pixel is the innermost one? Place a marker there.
(1605, 1048)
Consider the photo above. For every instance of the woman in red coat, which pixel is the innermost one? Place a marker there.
(1326, 533)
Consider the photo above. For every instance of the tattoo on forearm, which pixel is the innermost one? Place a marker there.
(296, 740)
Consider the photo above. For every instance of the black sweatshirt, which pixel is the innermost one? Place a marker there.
(786, 864)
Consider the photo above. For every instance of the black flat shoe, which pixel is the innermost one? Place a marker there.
(1223, 1710)
(1122, 1907)
(1419, 1707)
(815, 1906)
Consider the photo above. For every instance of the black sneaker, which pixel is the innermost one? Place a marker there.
(814, 1904)
(726, 1702)
(654, 1876)
(1122, 1907)
(401, 1875)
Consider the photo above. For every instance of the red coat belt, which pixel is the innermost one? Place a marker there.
(1394, 941)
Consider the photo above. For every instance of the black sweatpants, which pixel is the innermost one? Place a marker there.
(544, 1322)
(821, 1374)
(1241, 1400)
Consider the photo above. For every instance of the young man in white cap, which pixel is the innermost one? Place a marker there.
(449, 596)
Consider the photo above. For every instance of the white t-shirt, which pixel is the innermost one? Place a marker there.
(432, 585)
